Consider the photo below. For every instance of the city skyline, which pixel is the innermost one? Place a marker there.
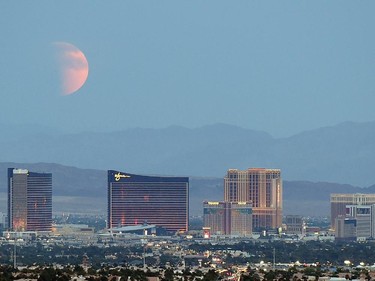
(134, 127)
(252, 200)
(302, 197)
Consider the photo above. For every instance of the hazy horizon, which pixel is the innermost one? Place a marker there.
(28, 127)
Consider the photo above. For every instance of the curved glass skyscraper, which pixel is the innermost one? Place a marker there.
(135, 199)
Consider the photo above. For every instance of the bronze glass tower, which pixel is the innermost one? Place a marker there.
(263, 188)
(215, 215)
(135, 199)
(228, 218)
(29, 200)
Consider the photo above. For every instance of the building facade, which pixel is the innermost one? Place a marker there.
(345, 228)
(362, 215)
(29, 200)
(358, 223)
(241, 218)
(215, 215)
(263, 188)
(294, 224)
(135, 199)
(339, 201)
(228, 218)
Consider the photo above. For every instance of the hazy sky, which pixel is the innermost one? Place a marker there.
(278, 66)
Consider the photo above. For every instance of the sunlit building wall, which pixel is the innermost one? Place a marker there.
(29, 200)
(135, 199)
(262, 187)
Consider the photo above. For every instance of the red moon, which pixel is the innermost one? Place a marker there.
(73, 67)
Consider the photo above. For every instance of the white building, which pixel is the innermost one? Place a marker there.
(359, 222)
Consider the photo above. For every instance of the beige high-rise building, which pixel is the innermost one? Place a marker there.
(263, 188)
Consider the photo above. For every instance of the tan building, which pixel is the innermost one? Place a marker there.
(345, 228)
(339, 201)
(214, 217)
(241, 219)
(263, 188)
(227, 218)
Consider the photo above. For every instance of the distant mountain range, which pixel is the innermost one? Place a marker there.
(85, 191)
(314, 163)
(344, 153)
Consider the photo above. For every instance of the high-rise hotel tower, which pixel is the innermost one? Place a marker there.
(135, 199)
(263, 188)
(29, 200)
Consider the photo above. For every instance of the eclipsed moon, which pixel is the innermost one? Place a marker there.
(73, 67)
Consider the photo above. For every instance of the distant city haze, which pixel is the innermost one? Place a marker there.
(278, 67)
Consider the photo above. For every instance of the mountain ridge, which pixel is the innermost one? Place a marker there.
(343, 153)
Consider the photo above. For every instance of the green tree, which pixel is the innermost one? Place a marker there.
(211, 275)
(79, 270)
(270, 275)
(168, 274)
(48, 274)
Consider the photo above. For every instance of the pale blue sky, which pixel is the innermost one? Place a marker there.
(278, 66)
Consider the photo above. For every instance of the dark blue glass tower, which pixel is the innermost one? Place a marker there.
(29, 200)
